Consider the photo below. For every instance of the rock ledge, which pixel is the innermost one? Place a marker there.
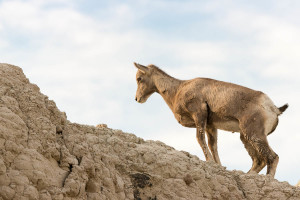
(44, 156)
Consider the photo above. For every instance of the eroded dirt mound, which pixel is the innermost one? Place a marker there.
(44, 156)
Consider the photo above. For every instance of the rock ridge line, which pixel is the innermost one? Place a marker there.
(45, 156)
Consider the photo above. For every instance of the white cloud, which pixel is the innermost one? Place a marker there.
(272, 44)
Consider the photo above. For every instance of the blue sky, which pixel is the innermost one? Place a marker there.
(81, 54)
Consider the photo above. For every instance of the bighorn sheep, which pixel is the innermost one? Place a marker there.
(208, 105)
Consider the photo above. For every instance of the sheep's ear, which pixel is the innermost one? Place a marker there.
(142, 68)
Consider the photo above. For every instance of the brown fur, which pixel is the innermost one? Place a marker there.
(208, 105)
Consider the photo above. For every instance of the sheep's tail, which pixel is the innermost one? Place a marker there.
(283, 108)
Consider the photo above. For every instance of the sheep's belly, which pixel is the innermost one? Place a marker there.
(227, 125)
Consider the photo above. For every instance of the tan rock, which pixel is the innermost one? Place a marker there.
(101, 126)
(44, 156)
(6, 192)
(2, 166)
(31, 192)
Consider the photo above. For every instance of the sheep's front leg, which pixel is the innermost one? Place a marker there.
(200, 121)
(202, 142)
(212, 137)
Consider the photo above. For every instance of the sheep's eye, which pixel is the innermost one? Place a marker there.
(139, 79)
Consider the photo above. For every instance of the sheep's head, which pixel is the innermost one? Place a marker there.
(145, 83)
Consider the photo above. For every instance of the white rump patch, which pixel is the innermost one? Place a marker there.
(270, 113)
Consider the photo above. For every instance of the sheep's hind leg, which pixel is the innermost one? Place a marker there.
(270, 157)
(255, 129)
(258, 162)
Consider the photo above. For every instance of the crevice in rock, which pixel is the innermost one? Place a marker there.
(28, 134)
(70, 167)
(61, 142)
(60, 157)
(28, 131)
(79, 159)
(59, 130)
(69, 172)
(238, 183)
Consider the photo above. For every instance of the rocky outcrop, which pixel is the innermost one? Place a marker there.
(44, 156)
